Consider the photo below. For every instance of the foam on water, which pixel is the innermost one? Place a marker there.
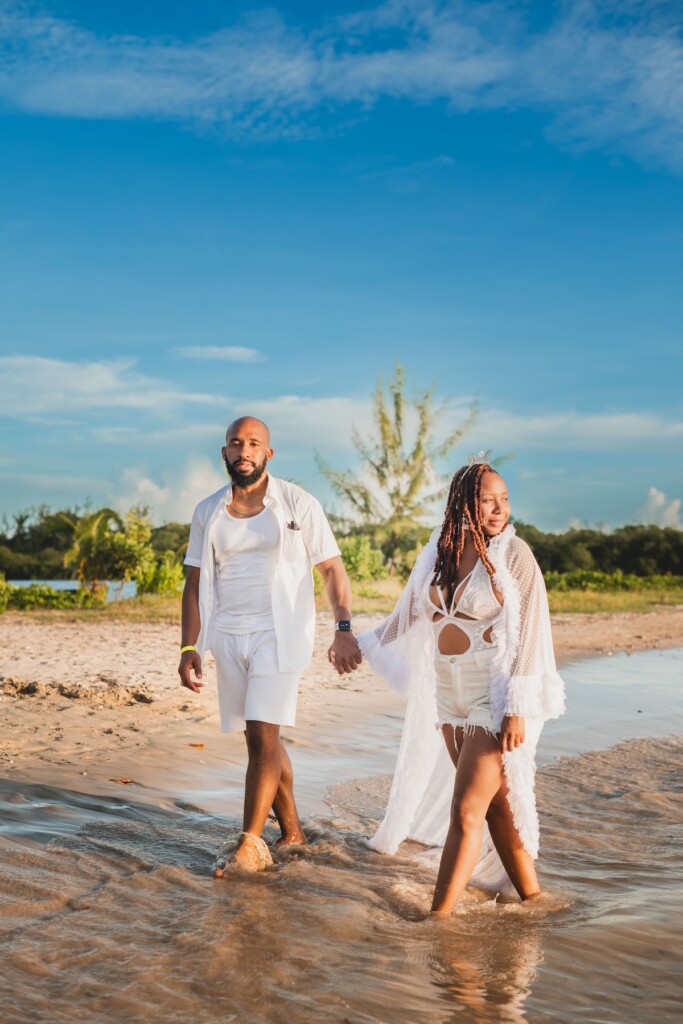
(109, 912)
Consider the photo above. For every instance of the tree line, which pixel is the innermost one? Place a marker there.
(388, 501)
(93, 546)
(66, 544)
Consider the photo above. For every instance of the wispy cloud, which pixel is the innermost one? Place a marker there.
(605, 73)
(302, 423)
(35, 385)
(228, 353)
(50, 482)
(167, 434)
(569, 430)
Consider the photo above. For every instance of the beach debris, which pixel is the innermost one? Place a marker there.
(196, 745)
(124, 781)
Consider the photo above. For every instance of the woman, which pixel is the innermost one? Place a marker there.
(469, 644)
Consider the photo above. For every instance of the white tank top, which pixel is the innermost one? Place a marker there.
(246, 553)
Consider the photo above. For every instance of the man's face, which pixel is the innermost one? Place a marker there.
(247, 452)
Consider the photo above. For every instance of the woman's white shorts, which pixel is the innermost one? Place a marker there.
(463, 684)
(250, 686)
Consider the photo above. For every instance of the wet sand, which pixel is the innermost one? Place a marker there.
(84, 703)
(117, 788)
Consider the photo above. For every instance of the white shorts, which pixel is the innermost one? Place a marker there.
(250, 686)
(463, 683)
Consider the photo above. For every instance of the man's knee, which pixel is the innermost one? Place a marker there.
(263, 740)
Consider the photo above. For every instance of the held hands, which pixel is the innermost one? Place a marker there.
(190, 662)
(344, 654)
(512, 733)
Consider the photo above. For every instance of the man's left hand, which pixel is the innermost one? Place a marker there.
(344, 653)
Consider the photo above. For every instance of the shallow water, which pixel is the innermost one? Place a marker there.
(625, 696)
(108, 913)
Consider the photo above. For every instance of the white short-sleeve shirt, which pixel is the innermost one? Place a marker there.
(305, 539)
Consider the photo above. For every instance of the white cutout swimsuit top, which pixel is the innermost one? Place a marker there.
(476, 600)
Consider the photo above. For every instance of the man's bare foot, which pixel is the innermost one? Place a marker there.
(251, 854)
(297, 838)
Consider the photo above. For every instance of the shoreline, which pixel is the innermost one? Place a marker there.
(96, 707)
(578, 635)
(118, 788)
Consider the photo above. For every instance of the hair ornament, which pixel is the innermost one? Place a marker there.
(478, 460)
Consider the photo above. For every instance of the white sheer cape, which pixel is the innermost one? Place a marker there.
(524, 682)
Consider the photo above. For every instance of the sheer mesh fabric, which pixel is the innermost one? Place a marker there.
(524, 681)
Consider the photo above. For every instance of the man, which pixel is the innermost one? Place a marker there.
(248, 598)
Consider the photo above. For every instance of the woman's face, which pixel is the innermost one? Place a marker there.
(494, 504)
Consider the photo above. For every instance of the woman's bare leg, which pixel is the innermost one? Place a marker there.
(478, 779)
(516, 861)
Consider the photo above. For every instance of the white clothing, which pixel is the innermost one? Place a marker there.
(463, 691)
(473, 597)
(250, 686)
(523, 681)
(305, 539)
(245, 552)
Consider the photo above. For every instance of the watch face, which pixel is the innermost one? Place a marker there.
(344, 626)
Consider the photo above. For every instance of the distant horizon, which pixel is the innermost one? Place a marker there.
(85, 507)
(208, 212)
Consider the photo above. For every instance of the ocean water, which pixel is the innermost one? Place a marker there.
(117, 590)
(109, 912)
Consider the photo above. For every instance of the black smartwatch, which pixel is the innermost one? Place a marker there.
(343, 626)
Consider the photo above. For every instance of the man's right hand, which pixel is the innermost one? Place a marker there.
(191, 662)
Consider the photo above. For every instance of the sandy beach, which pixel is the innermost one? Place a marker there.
(88, 703)
(118, 787)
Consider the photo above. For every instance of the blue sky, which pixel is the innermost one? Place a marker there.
(216, 208)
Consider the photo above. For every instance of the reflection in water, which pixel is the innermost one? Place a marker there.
(109, 913)
(488, 974)
(121, 909)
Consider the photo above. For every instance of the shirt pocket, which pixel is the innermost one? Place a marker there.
(293, 547)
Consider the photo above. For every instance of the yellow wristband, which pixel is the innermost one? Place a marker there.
(189, 647)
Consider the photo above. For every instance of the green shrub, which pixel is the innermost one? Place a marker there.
(581, 579)
(362, 561)
(160, 575)
(5, 591)
(39, 595)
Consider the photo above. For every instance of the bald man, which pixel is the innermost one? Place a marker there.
(249, 598)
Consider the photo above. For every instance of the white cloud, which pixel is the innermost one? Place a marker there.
(298, 422)
(174, 498)
(661, 510)
(604, 73)
(48, 483)
(573, 431)
(171, 434)
(34, 385)
(230, 353)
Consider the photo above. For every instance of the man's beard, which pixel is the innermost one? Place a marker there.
(241, 479)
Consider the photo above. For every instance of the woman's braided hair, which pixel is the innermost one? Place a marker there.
(462, 513)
